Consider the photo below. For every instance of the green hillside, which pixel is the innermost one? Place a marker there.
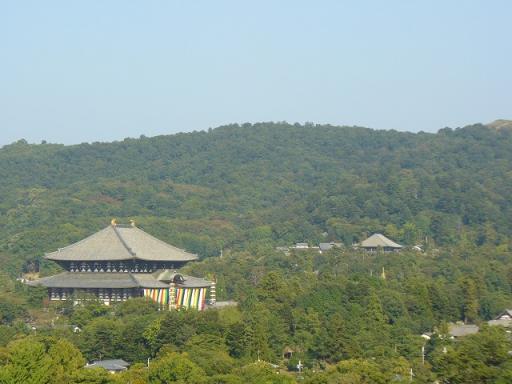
(272, 181)
(347, 315)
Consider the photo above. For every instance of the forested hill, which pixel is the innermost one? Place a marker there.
(271, 182)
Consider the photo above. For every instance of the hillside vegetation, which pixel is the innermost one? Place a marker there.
(272, 181)
(348, 316)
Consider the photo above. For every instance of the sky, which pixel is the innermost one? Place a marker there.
(86, 71)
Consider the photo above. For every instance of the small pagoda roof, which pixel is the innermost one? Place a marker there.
(121, 242)
(83, 280)
(147, 280)
(194, 282)
(378, 240)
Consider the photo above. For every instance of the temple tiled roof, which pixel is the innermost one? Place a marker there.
(118, 242)
(378, 240)
(146, 280)
(88, 280)
(194, 282)
(82, 280)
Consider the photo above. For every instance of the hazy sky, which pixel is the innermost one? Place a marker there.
(75, 71)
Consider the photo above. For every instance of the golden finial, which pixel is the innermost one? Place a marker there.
(113, 222)
(132, 223)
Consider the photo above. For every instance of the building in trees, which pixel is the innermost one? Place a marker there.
(324, 247)
(377, 242)
(504, 319)
(460, 330)
(123, 261)
(113, 366)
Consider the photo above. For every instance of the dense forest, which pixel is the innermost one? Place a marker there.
(240, 191)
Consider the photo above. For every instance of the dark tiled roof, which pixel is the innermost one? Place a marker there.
(222, 304)
(503, 322)
(88, 280)
(167, 275)
(325, 246)
(147, 280)
(114, 280)
(506, 314)
(110, 365)
(460, 330)
(121, 243)
(194, 282)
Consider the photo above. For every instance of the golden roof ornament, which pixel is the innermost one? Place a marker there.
(113, 222)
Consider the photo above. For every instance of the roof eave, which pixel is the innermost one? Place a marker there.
(53, 258)
(192, 258)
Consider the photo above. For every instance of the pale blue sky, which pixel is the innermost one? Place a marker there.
(75, 71)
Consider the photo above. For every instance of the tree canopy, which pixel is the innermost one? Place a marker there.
(241, 191)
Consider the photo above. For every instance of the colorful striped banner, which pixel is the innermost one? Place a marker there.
(161, 296)
(191, 298)
(188, 298)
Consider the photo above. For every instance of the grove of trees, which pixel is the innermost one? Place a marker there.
(241, 191)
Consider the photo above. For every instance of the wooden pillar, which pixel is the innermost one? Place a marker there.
(172, 296)
(213, 295)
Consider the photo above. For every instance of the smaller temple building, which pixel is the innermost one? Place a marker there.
(378, 242)
(112, 366)
(123, 261)
(504, 319)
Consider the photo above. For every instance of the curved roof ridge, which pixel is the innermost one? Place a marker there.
(194, 256)
(76, 243)
(121, 243)
(79, 242)
(130, 251)
(133, 278)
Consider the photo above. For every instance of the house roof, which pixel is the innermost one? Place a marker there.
(507, 314)
(222, 304)
(502, 322)
(82, 280)
(110, 365)
(378, 240)
(459, 330)
(325, 246)
(117, 242)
